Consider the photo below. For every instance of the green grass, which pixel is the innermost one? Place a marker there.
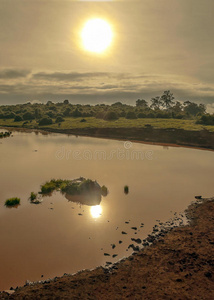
(12, 202)
(91, 122)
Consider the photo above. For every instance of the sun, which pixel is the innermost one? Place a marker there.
(96, 211)
(96, 35)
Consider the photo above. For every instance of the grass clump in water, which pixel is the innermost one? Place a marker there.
(33, 196)
(126, 189)
(54, 184)
(12, 202)
(104, 190)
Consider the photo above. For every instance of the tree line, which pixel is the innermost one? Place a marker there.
(164, 106)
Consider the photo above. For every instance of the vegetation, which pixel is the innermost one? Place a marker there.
(5, 134)
(104, 190)
(73, 187)
(126, 189)
(12, 202)
(206, 120)
(33, 196)
(160, 112)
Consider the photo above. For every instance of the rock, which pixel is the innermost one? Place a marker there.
(113, 246)
(123, 232)
(114, 255)
(106, 254)
(138, 241)
(198, 197)
(134, 228)
(120, 242)
(208, 274)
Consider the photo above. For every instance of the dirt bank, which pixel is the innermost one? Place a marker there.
(197, 139)
(179, 265)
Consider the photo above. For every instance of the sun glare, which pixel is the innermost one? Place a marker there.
(96, 211)
(96, 35)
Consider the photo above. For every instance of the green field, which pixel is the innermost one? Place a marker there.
(91, 122)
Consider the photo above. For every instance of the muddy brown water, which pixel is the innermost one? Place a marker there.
(60, 236)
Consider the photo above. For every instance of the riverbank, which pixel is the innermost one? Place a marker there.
(164, 136)
(179, 265)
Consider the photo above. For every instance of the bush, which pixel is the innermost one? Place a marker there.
(45, 121)
(33, 196)
(59, 119)
(76, 113)
(141, 115)
(83, 120)
(131, 115)
(111, 115)
(206, 120)
(28, 116)
(18, 119)
(12, 202)
(104, 190)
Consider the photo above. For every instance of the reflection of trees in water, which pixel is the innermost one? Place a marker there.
(87, 199)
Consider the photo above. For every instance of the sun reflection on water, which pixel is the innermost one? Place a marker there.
(96, 211)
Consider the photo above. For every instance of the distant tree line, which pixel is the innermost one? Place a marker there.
(164, 106)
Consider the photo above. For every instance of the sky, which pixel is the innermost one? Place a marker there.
(157, 45)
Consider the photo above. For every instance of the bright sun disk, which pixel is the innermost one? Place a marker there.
(96, 211)
(96, 35)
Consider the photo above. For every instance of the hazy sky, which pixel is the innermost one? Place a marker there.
(157, 45)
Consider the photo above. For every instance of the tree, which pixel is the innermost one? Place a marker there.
(18, 118)
(156, 103)
(167, 99)
(76, 113)
(46, 121)
(193, 108)
(28, 116)
(142, 103)
(66, 102)
(177, 108)
(131, 115)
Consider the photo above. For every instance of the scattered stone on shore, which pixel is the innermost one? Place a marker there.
(114, 255)
(120, 242)
(113, 246)
(138, 241)
(134, 228)
(123, 232)
(106, 254)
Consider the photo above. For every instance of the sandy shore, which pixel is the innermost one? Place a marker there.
(179, 265)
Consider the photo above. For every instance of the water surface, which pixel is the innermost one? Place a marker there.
(61, 236)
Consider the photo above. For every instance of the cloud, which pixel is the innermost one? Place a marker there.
(13, 73)
(96, 87)
(75, 76)
(210, 108)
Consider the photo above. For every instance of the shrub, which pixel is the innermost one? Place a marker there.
(104, 190)
(33, 196)
(28, 116)
(141, 115)
(111, 115)
(12, 202)
(131, 115)
(45, 121)
(18, 118)
(83, 120)
(76, 113)
(59, 119)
